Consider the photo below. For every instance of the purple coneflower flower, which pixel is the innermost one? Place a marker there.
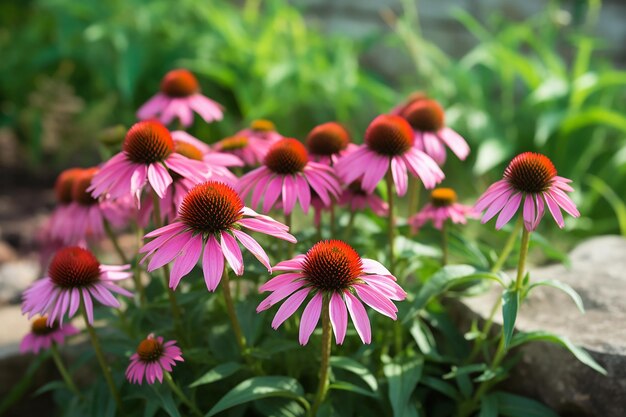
(442, 206)
(388, 145)
(329, 141)
(59, 225)
(426, 117)
(287, 171)
(212, 215)
(356, 199)
(75, 276)
(411, 98)
(180, 97)
(530, 177)
(332, 269)
(151, 359)
(148, 152)
(42, 335)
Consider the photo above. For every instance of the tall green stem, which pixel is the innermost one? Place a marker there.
(508, 246)
(322, 387)
(521, 265)
(332, 219)
(115, 242)
(290, 246)
(180, 394)
(137, 269)
(63, 371)
(392, 221)
(444, 243)
(232, 315)
(106, 371)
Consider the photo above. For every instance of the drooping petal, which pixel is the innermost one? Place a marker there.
(289, 306)
(338, 317)
(509, 210)
(253, 246)
(310, 317)
(359, 317)
(212, 263)
(232, 253)
(186, 261)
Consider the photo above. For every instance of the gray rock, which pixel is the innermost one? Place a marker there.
(550, 373)
(15, 277)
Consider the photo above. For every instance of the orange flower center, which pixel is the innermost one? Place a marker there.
(211, 207)
(40, 327)
(148, 142)
(188, 150)
(530, 172)
(233, 143)
(262, 125)
(64, 184)
(443, 197)
(74, 267)
(287, 156)
(150, 350)
(425, 115)
(79, 188)
(327, 139)
(332, 265)
(389, 135)
(179, 83)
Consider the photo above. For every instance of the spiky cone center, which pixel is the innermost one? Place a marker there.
(147, 142)
(150, 350)
(79, 188)
(262, 125)
(40, 327)
(65, 183)
(287, 156)
(179, 83)
(530, 172)
(232, 143)
(332, 265)
(425, 115)
(389, 135)
(74, 267)
(328, 139)
(211, 207)
(443, 197)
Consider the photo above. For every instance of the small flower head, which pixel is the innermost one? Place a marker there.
(179, 83)
(74, 275)
(188, 150)
(80, 186)
(357, 199)
(425, 115)
(389, 135)
(64, 185)
(43, 334)
(530, 177)
(152, 357)
(443, 197)
(147, 142)
(327, 140)
(262, 126)
(233, 143)
(288, 156)
(211, 215)
(412, 98)
(332, 272)
(443, 206)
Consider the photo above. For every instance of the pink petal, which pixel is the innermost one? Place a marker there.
(338, 317)
(290, 193)
(400, 176)
(497, 205)
(289, 307)
(232, 253)
(375, 172)
(280, 280)
(554, 210)
(304, 193)
(509, 210)
(376, 301)
(273, 191)
(212, 263)
(455, 142)
(159, 178)
(359, 317)
(310, 317)
(253, 246)
(186, 261)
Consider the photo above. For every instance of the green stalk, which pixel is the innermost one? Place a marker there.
(332, 219)
(508, 246)
(290, 246)
(232, 314)
(137, 269)
(322, 387)
(181, 395)
(115, 242)
(106, 371)
(392, 221)
(521, 265)
(63, 371)
(444, 243)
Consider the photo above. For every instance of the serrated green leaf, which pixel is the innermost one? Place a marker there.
(563, 287)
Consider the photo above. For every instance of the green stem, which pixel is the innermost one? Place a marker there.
(232, 315)
(413, 196)
(176, 312)
(106, 371)
(181, 395)
(322, 387)
(115, 242)
(508, 246)
(137, 270)
(392, 221)
(521, 265)
(444, 243)
(63, 371)
(350, 225)
(332, 219)
(290, 246)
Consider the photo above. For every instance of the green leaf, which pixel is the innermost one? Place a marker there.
(355, 367)
(563, 287)
(50, 386)
(464, 370)
(279, 407)
(510, 405)
(541, 336)
(488, 406)
(403, 373)
(221, 371)
(441, 386)
(167, 403)
(510, 302)
(617, 204)
(346, 386)
(593, 116)
(260, 387)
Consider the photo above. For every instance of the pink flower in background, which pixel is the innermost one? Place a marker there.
(60, 223)
(426, 117)
(74, 275)
(412, 98)
(151, 359)
(328, 141)
(148, 152)
(212, 215)
(332, 270)
(356, 199)
(180, 97)
(530, 177)
(442, 206)
(261, 130)
(42, 335)
(287, 172)
(388, 145)
(251, 144)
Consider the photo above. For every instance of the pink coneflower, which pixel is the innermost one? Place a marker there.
(180, 97)
(287, 171)
(333, 271)
(356, 199)
(151, 359)
(148, 152)
(75, 276)
(442, 206)
(42, 335)
(327, 142)
(251, 144)
(532, 177)
(59, 225)
(261, 130)
(388, 145)
(212, 214)
(412, 98)
(426, 117)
